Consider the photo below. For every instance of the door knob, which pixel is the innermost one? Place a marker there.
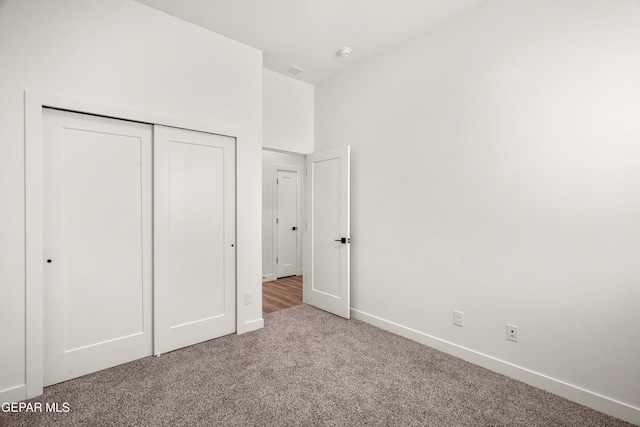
(48, 261)
(294, 228)
(341, 240)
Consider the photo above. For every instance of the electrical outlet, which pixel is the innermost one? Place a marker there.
(248, 298)
(512, 333)
(458, 318)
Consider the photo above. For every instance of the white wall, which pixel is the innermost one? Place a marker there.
(124, 54)
(270, 162)
(496, 170)
(288, 113)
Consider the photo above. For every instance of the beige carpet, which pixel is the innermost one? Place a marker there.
(305, 368)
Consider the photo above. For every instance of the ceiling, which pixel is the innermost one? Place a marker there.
(308, 33)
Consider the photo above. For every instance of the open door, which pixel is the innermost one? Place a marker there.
(327, 270)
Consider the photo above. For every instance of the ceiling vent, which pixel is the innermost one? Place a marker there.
(293, 70)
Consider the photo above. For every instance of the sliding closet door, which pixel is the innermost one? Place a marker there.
(97, 243)
(194, 237)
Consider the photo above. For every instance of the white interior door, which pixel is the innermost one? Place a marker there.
(327, 271)
(194, 237)
(286, 223)
(97, 243)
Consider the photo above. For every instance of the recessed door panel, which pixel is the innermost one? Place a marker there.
(97, 241)
(326, 227)
(196, 231)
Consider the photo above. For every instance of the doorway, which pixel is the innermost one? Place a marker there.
(282, 228)
(326, 228)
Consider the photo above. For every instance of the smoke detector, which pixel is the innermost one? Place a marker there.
(344, 51)
(293, 70)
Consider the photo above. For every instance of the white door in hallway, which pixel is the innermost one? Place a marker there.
(97, 243)
(286, 223)
(194, 237)
(327, 250)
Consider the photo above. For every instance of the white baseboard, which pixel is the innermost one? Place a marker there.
(13, 394)
(568, 391)
(251, 325)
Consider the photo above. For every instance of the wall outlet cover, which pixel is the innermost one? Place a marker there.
(458, 318)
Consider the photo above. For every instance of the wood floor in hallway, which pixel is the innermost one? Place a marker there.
(282, 293)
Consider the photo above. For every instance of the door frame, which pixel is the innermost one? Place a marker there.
(299, 219)
(34, 299)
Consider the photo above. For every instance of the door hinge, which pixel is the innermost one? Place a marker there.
(277, 220)
(277, 181)
(276, 260)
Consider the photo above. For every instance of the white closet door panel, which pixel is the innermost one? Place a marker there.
(97, 215)
(194, 237)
